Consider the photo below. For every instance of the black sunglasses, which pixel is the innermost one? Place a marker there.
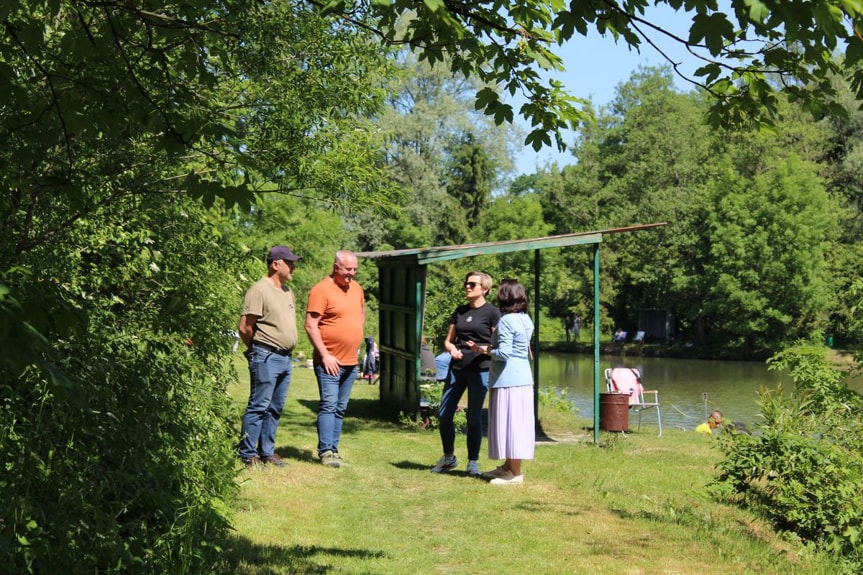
(470, 285)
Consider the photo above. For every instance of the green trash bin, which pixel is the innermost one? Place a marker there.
(829, 340)
(614, 412)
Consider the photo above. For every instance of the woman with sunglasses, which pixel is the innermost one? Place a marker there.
(471, 325)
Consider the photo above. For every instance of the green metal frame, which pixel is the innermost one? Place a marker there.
(402, 284)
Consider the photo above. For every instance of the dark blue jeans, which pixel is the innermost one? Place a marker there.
(335, 391)
(269, 379)
(476, 384)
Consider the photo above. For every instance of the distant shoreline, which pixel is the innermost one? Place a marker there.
(841, 358)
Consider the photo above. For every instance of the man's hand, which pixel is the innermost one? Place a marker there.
(331, 364)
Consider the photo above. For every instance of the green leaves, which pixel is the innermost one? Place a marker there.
(434, 5)
(122, 127)
(757, 10)
(742, 44)
(804, 468)
(743, 260)
(713, 29)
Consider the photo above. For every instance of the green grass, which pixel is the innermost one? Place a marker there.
(633, 505)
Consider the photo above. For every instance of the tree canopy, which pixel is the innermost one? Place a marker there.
(750, 51)
(129, 130)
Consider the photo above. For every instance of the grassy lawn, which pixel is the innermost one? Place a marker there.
(633, 505)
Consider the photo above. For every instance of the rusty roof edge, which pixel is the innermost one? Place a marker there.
(443, 249)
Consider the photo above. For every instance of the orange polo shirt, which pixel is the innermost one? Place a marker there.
(341, 323)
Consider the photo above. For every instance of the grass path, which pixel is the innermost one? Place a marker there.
(634, 505)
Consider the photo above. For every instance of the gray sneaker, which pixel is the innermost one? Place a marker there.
(331, 459)
(445, 463)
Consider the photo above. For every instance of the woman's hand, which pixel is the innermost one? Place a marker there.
(483, 349)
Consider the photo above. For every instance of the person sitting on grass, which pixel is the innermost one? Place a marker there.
(714, 421)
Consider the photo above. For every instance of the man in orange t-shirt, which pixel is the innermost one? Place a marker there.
(335, 316)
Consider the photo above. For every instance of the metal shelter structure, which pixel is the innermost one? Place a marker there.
(402, 286)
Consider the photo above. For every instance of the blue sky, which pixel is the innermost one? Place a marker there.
(596, 66)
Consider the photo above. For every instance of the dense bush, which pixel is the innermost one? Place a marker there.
(115, 437)
(804, 468)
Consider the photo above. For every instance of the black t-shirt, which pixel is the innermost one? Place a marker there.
(476, 325)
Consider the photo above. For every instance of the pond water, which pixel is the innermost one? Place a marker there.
(688, 389)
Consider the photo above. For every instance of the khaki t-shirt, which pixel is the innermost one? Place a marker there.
(277, 316)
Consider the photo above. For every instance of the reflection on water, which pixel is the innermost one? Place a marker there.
(688, 389)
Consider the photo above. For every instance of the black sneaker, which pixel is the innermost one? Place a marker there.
(274, 459)
(252, 461)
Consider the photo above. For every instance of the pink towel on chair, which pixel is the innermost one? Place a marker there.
(627, 380)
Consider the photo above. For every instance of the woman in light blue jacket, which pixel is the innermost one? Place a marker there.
(511, 426)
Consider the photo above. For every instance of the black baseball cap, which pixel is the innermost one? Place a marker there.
(282, 253)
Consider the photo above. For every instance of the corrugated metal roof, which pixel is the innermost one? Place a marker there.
(443, 253)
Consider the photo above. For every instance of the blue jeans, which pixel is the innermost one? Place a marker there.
(269, 379)
(335, 391)
(476, 384)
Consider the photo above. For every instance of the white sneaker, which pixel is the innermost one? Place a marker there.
(496, 472)
(473, 468)
(508, 479)
(445, 463)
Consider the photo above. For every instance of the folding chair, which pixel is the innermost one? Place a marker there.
(638, 337)
(628, 380)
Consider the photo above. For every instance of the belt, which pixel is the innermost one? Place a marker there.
(272, 349)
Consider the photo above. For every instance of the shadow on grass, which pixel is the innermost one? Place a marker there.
(681, 516)
(546, 507)
(290, 452)
(426, 468)
(371, 409)
(541, 435)
(311, 404)
(360, 408)
(241, 556)
(411, 466)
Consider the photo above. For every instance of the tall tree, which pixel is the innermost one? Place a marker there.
(654, 160)
(766, 271)
(117, 285)
(471, 174)
(430, 112)
(843, 171)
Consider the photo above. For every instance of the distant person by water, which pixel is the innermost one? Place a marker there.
(713, 421)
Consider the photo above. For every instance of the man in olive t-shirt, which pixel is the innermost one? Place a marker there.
(268, 327)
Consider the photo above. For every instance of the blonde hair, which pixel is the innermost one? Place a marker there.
(484, 280)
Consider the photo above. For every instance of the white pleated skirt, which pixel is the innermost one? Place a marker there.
(511, 426)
